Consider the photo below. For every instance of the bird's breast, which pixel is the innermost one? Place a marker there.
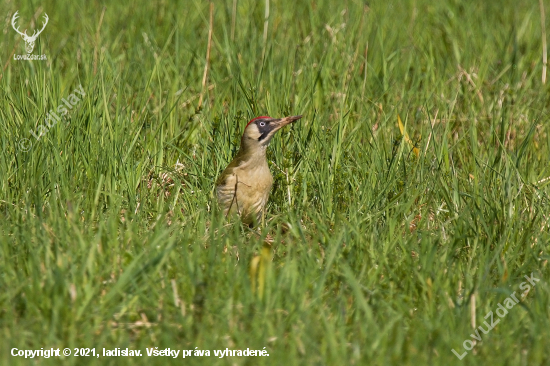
(245, 190)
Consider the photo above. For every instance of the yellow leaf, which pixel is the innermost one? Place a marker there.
(259, 266)
(252, 272)
(416, 151)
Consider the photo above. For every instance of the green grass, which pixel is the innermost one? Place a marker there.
(108, 233)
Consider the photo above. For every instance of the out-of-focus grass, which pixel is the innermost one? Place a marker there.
(109, 239)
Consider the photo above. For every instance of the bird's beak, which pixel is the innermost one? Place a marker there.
(280, 123)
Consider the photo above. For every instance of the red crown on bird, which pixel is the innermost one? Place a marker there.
(257, 118)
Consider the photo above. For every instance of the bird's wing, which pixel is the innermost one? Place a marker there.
(230, 170)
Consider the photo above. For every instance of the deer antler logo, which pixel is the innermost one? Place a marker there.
(29, 40)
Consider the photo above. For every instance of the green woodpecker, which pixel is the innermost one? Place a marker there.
(244, 186)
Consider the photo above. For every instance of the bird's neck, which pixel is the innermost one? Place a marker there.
(254, 155)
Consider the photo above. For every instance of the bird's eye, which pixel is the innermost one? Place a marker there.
(262, 124)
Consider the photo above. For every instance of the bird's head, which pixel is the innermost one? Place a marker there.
(259, 131)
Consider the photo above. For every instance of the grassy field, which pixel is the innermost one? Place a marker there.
(390, 243)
